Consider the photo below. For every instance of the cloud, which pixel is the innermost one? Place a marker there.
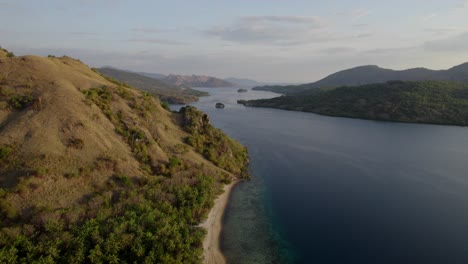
(338, 50)
(83, 33)
(157, 41)
(389, 51)
(458, 43)
(152, 30)
(273, 30)
(358, 13)
(429, 17)
(442, 30)
(463, 5)
(361, 25)
(364, 35)
(355, 13)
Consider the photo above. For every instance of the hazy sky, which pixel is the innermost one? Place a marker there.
(274, 40)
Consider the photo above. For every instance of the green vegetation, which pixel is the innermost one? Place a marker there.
(111, 79)
(213, 144)
(136, 138)
(151, 221)
(20, 102)
(165, 105)
(150, 218)
(9, 54)
(434, 102)
(4, 151)
(285, 89)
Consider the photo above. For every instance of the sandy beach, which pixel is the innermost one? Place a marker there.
(211, 245)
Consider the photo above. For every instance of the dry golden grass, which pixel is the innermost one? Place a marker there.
(62, 147)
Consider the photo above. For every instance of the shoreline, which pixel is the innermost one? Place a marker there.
(213, 224)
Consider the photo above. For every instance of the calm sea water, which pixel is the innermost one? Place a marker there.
(337, 190)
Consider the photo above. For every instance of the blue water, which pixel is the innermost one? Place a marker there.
(338, 190)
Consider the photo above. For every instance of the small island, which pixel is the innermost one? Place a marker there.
(219, 105)
(242, 90)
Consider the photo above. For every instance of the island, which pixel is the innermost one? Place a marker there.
(431, 102)
(242, 90)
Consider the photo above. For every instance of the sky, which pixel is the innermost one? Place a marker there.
(294, 41)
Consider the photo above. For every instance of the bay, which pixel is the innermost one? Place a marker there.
(339, 190)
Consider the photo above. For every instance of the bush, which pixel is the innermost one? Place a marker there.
(75, 143)
(165, 105)
(20, 102)
(125, 180)
(41, 171)
(4, 151)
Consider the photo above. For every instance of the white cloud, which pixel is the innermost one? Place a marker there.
(358, 13)
(157, 41)
(274, 30)
(442, 30)
(152, 30)
(455, 44)
(463, 5)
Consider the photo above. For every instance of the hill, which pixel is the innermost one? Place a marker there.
(243, 82)
(196, 81)
(158, 76)
(373, 74)
(433, 102)
(94, 171)
(166, 92)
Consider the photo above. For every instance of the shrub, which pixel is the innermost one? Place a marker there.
(41, 171)
(75, 143)
(165, 105)
(20, 102)
(125, 180)
(174, 162)
(4, 151)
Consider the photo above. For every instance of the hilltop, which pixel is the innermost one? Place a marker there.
(170, 93)
(95, 171)
(433, 102)
(189, 80)
(373, 74)
(196, 81)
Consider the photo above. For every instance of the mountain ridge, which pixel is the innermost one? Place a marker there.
(370, 74)
(165, 91)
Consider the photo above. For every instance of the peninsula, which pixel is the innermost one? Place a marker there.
(93, 170)
(431, 102)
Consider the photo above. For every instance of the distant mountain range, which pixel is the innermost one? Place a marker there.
(200, 80)
(373, 74)
(196, 81)
(166, 92)
(243, 82)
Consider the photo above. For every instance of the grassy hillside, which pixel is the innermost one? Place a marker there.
(373, 74)
(434, 102)
(93, 171)
(166, 92)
